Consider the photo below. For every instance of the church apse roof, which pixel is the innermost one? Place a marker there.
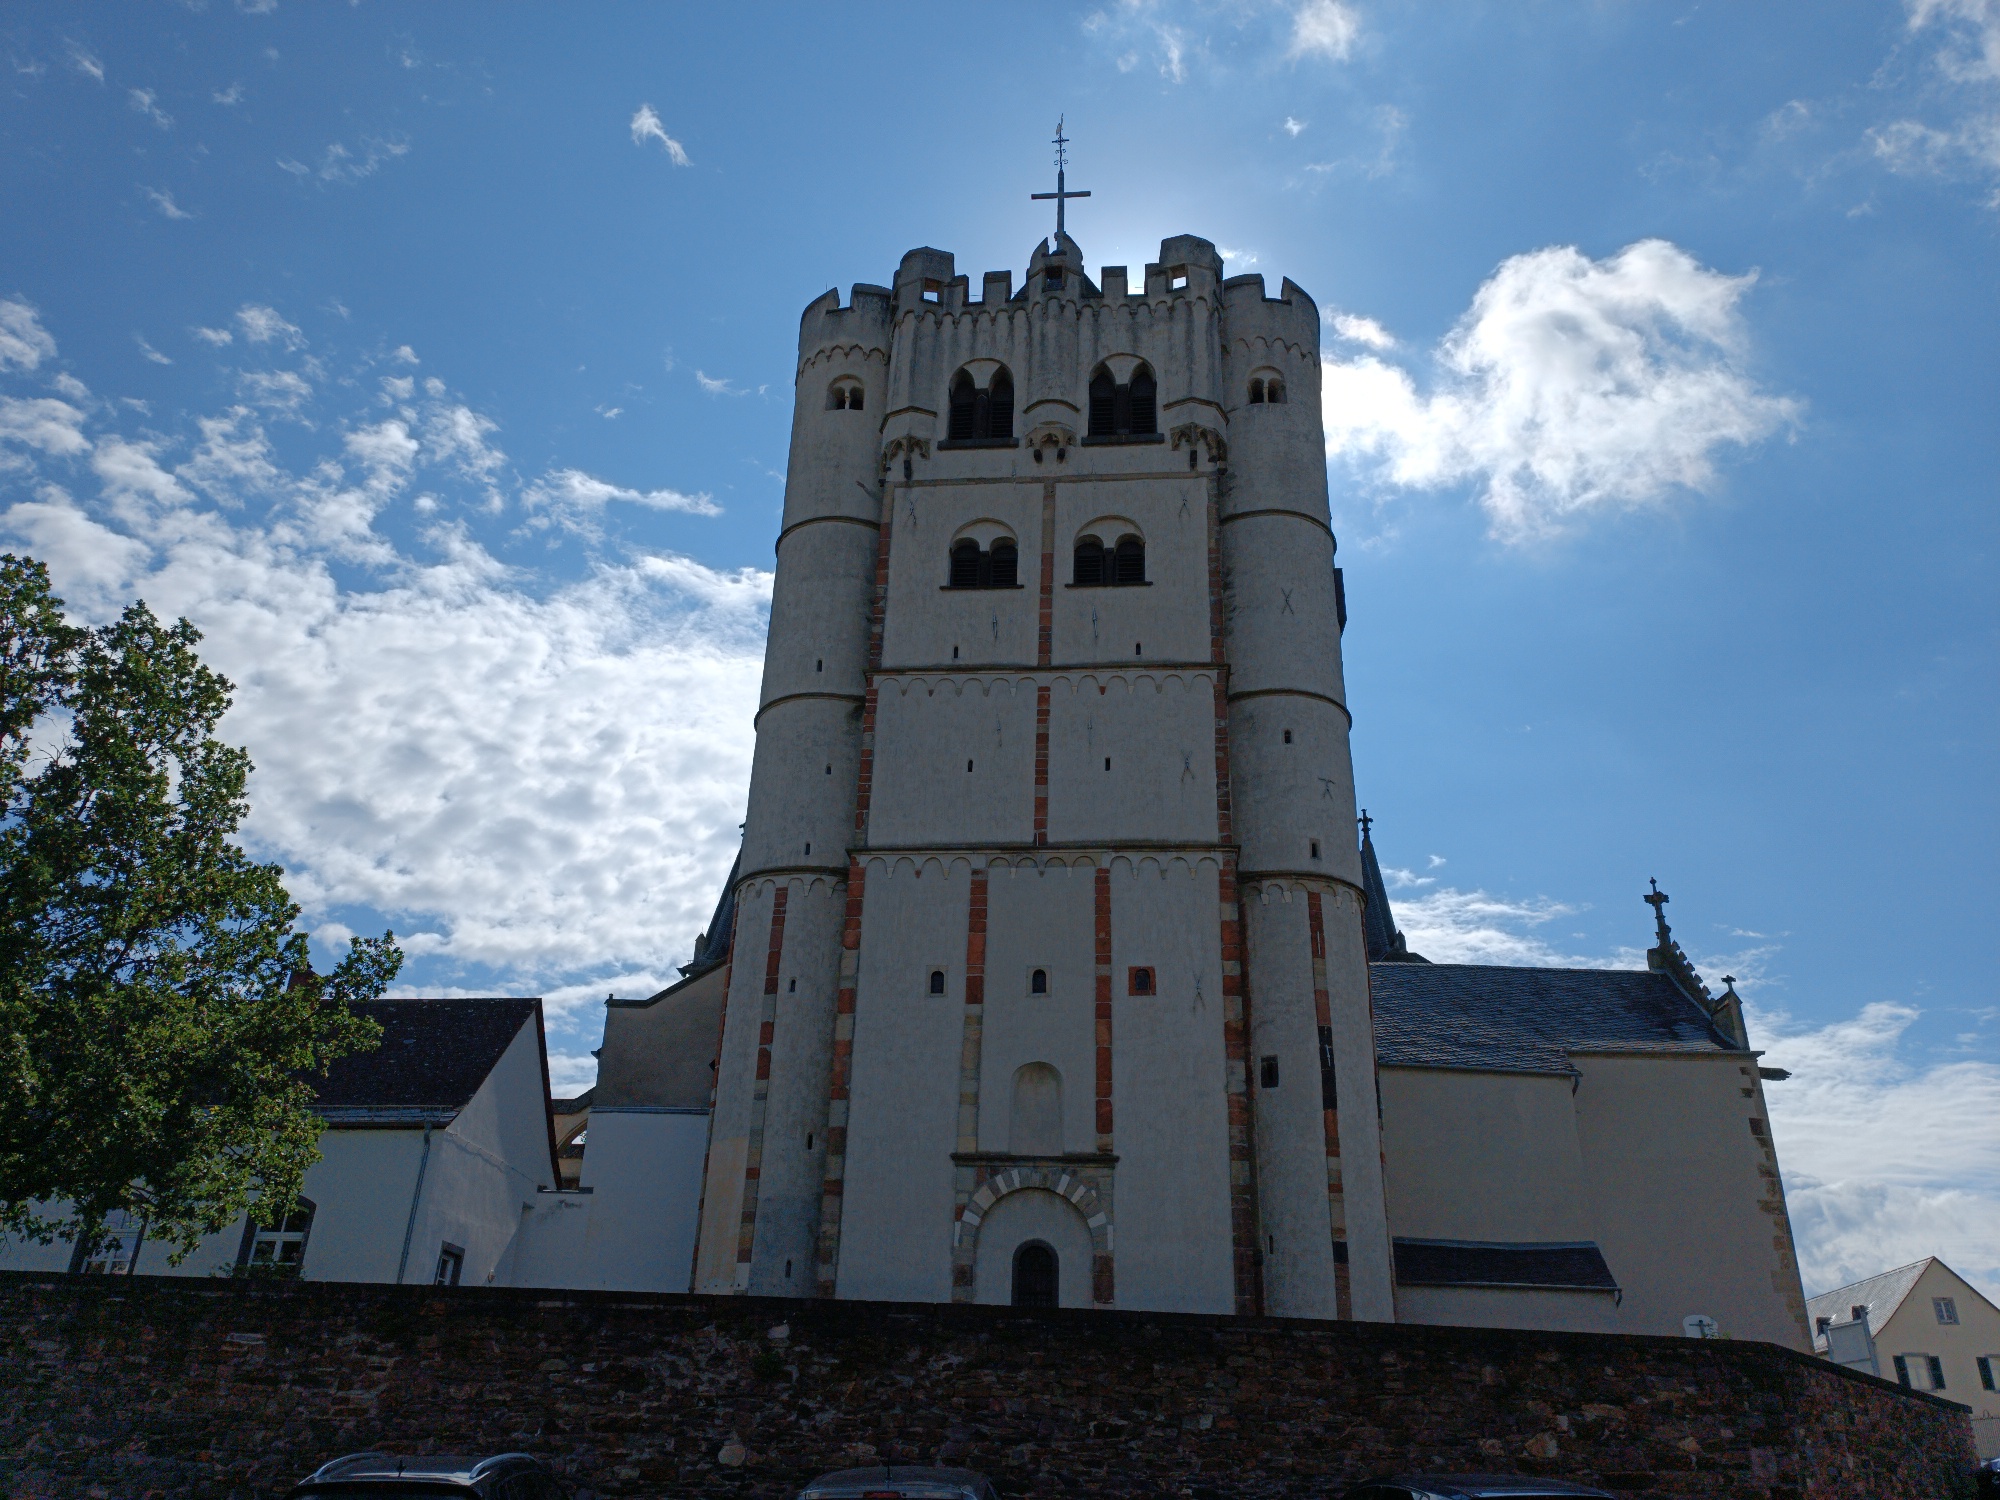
(1521, 1020)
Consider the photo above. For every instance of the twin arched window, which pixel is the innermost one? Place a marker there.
(977, 414)
(1124, 562)
(844, 395)
(977, 567)
(1130, 409)
(1267, 388)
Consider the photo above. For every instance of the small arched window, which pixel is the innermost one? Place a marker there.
(1267, 388)
(980, 415)
(844, 395)
(1038, 982)
(1037, 1276)
(1123, 409)
(976, 567)
(937, 981)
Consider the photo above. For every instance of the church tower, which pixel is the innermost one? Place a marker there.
(1048, 980)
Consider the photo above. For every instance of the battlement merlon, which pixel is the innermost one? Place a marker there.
(1290, 318)
(864, 321)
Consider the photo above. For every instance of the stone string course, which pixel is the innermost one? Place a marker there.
(160, 1387)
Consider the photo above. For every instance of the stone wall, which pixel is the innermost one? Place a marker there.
(116, 1388)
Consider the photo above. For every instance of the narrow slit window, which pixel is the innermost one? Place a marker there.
(1038, 982)
(1267, 1073)
(937, 981)
(792, 988)
(1315, 848)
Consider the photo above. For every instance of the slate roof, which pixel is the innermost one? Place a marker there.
(1577, 1266)
(1883, 1294)
(433, 1058)
(1528, 1020)
(712, 946)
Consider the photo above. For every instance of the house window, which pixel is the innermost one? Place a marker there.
(283, 1249)
(451, 1264)
(844, 395)
(1987, 1364)
(1945, 1308)
(1122, 564)
(1267, 1073)
(1123, 409)
(1858, 1312)
(1038, 982)
(117, 1252)
(981, 415)
(1920, 1372)
(1037, 1276)
(937, 981)
(1139, 981)
(976, 567)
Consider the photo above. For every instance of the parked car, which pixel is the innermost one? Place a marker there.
(1471, 1487)
(900, 1482)
(384, 1476)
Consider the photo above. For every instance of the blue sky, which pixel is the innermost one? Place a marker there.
(437, 362)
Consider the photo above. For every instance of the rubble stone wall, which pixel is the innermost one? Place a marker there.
(161, 1387)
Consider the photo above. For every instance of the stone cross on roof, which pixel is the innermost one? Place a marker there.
(1061, 194)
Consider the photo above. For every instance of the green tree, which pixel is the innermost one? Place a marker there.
(158, 1011)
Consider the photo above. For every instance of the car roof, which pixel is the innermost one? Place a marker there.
(886, 1475)
(1491, 1486)
(439, 1467)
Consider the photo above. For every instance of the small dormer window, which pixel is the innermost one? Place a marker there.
(1177, 279)
(933, 290)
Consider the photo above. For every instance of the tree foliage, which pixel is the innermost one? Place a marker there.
(159, 1016)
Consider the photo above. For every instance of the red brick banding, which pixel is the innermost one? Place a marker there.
(1323, 1016)
(767, 1025)
(1103, 1001)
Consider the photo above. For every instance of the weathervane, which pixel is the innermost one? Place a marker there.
(1061, 194)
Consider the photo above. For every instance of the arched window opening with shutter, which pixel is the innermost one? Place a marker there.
(996, 566)
(1123, 409)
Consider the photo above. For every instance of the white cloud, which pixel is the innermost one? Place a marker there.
(1294, 127)
(1324, 28)
(386, 450)
(342, 164)
(263, 325)
(1965, 91)
(70, 386)
(24, 343)
(571, 497)
(1244, 259)
(1358, 330)
(131, 471)
(164, 202)
(233, 461)
(231, 95)
(84, 63)
(404, 354)
(217, 337)
(646, 127)
(1886, 1159)
(1570, 386)
(1471, 927)
(718, 385)
(458, 434)
(146, 102)
(41, 422)
(151, 354)
(276, 390)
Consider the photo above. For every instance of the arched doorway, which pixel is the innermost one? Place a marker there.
(1037, 1276)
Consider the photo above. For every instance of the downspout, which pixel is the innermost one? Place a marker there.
(416, 1197)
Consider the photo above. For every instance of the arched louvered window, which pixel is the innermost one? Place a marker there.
(1257, 392)
(999, 416)
(1089, 561)
(964, 419)
(1143, 418)
(1103, 404)
(1128, 410)
(976, 567)
(1274, 391)
(1003, 565)
(1129, 561)
(965, 558)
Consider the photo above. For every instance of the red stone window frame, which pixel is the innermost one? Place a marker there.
(1141, 980)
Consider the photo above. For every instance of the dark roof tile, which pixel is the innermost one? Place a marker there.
(434, 1054)
(1528, 1020)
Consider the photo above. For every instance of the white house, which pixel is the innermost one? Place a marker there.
(1923, 1325)
(438, 1152)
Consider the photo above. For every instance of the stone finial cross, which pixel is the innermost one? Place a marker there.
(1062, 194)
